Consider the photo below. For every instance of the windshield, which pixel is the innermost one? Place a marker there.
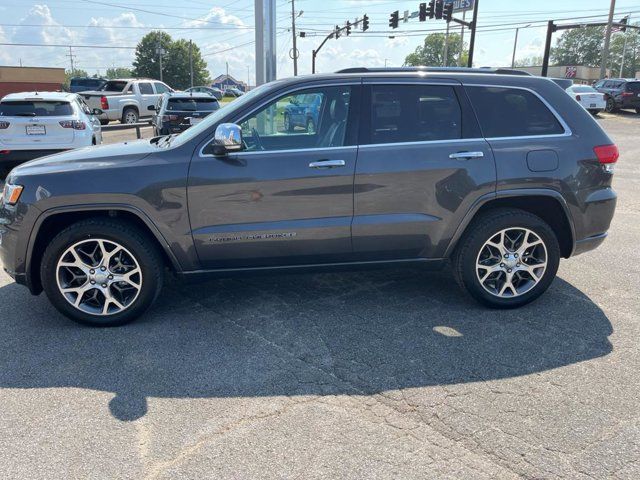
(35, 108)
(192, 104)
(583, 89)
(218, 115)
(114, 86)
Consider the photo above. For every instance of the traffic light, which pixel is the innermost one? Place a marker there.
(439, 9)
(431, 9)
(365, 23)
(348, 28)
(337, 32)
(448, 12)
(422, 15)
(394, 19)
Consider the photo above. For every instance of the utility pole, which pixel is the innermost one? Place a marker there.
(464, 18)
(607, 40)
(294, 52)
(265, 22)
(445, 54)
(71, 57)
(160, 51)
(191, 60)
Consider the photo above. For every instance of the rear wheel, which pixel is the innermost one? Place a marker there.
(638, 111)
(288, 126)
(611, 105)
(129, 115)
(507, 258)
(101, 272)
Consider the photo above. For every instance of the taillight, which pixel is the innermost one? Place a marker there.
(104, 103)
(606, 153)
(75, 124)
(4, 125)
(627, 94)
(169, 118)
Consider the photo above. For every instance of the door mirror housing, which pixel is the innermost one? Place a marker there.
(227, 138)
(97, 111)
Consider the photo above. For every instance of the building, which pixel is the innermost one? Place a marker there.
(227, 81)
(577, 74)
(29, 79)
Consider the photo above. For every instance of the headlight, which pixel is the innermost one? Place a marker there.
(11, 193)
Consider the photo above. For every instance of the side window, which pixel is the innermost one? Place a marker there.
(315, 118)
(414, 113)
(161, 87)
(510, 112)
(145, 88)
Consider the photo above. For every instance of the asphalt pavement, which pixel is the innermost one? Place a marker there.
(372, 375)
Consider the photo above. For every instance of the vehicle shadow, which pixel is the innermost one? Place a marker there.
(337, 333)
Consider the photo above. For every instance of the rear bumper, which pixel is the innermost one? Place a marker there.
(597, 211)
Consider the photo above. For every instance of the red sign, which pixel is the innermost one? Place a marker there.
(571, 72)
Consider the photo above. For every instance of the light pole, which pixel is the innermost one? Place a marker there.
(515, 46)
(160, 51)
(607, 40)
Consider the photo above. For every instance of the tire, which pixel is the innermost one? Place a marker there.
(288, 126)
(611, 105)
(474, 250)
(136, 261)
(311, 126)
(638, 111)
(104, 122)
(130, 115)
(595, 112)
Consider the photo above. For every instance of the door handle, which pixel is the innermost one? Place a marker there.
(327, 164)
(466, 155)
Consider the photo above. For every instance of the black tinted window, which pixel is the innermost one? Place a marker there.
(35, 108)
(192, 104)
(114, 86)
(633, 87)
(146, 89)
(414, 113)
(510, 112)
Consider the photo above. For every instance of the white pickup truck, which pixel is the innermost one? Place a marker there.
(125, 99)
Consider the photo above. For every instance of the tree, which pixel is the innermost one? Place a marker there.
(579, 46)
(431, 52)
(534, 61)
(631, 56)
(119, 72)
(175, 61)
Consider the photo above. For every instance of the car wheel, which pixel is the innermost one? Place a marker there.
(129, 115)
(507, 258)
(288, 126)
(638, 111)
(104, 122)
(311, 126)
(611, 105)
(101, 272)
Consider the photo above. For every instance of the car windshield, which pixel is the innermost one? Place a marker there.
(192, 104)
(114, 86)
(35, 108)
(633, 87)
(218, 115)
(584, 89)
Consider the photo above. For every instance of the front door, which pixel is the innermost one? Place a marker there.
(287, 197)
(422, 164)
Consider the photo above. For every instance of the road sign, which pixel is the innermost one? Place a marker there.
(461, 5)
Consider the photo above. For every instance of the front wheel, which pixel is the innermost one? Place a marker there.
(507, 258)
(101, 272)
(638, 111)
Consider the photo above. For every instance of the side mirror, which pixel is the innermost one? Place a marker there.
(228, 138)
(97, 111)
(151, 108)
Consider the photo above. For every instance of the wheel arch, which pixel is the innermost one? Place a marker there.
(549, 205)
(55, 220)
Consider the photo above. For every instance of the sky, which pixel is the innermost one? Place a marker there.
(224, 31)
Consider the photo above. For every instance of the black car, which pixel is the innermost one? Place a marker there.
(84, 84)
(620, 93)
(175, 112)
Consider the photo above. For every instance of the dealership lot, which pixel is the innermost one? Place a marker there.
(342, 375)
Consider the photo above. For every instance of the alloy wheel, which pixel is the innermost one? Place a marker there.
(99, 276)
(511, 262)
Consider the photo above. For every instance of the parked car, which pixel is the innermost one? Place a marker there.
(588, 97)
(620, 93)
(233, 92)
(176, 112)
(126, 99)
(499, 175)
(214, 92)
(302, 112)
(35, 124)
(82, 84)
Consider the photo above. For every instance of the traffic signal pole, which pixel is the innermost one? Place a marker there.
(472, 42)
(336, 33)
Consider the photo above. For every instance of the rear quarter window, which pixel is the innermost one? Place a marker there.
(35, 108)
(511, 112)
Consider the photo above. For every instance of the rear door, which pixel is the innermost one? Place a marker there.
(34, 123)
(421, 165)
(147, 98)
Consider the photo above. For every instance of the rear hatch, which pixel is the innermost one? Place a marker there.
(34, 123)
(631, 94)
(183, 112)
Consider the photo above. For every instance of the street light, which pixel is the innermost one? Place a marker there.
(515, 46)
(160, 51)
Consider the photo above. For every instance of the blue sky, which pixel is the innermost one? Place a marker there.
(224, 30)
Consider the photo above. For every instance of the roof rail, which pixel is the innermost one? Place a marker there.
(495, 71)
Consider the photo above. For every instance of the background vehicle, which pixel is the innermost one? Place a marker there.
(176, 112)
(233, 92)
(126, 100)
(214, 92)
(83, 84)
(470, 167)
(588, 97)
(303, 113)
(563, 83)
(620, 93)
(35, 124)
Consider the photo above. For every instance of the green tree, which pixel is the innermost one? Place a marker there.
(175, 61)
(534, 61)
(579, 46)
(431, 52)
(631, 56)
(119, 72)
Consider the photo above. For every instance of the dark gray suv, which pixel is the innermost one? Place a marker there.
(500, 175)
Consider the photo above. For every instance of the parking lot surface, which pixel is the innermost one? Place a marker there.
(385, 374)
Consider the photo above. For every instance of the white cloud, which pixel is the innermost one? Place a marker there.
(216, 15)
